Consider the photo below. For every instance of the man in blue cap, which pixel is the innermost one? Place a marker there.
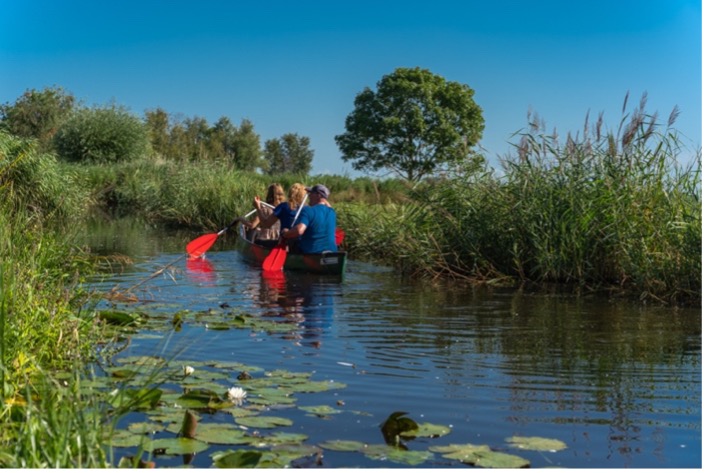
(316, 224)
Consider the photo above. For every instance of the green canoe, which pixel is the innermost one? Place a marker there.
(319, 263)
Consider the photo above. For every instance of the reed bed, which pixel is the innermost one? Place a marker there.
(613, 211)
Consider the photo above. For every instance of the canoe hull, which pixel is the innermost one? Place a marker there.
(324, 263)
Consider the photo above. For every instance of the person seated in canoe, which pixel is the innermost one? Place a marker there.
(284, 212)
(315, 228)
(275, 196)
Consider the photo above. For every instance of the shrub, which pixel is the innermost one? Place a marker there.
(102, 135)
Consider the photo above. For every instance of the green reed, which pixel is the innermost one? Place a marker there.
(611, 210)
(42, 328)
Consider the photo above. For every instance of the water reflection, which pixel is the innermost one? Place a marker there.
(301, 299)
(200, 270)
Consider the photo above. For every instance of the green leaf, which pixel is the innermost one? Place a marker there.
(482, 456)
(427, 430)
(343, 445)
(237, 459)
(178, 446)
(320, 410)
(397, 455)
(145, 427)
(537, 443)
(264, 422)
(224, 434)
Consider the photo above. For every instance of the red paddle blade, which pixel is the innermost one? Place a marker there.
(339, 236)
(276, 259)
(201, 244)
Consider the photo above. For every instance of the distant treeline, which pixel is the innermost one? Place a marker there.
(101, 134)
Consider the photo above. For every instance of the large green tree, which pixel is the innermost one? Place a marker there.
(289, 154)
(38, 114)
(414, 124)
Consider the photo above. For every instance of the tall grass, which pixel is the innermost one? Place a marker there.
(208, 194)
(42, 329)
(606, 210)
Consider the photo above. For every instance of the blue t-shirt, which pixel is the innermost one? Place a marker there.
(285, 215)
(320, 221)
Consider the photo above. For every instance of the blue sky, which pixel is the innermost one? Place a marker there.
(296, 67)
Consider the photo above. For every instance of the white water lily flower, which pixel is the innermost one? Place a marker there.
(188, 370)
(236, 394)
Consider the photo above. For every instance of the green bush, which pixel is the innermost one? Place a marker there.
(102, 135)
(33, 181)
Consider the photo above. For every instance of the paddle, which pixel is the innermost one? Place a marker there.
(276, 259)
(201, 244)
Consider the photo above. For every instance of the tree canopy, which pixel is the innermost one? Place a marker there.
(38, 114)
(288, 154)
(413, 124)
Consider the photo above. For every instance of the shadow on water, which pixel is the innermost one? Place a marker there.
(619, 383)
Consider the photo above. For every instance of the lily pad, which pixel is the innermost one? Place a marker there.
(224, 434)
(481, 456)
(236, 459)
(145, 427)
(282, 457)
(397, 455)
(427, 430)
(316, 386)
(177, 446)
(320, 410)
(537, 443)
(282, 438)
(126, 439)
(343, 445)
(264, 422)
(243, 411)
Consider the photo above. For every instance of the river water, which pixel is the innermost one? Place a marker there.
(618, 382)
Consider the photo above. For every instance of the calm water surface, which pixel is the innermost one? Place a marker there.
(619, 383)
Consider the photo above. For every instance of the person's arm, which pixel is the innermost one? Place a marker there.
(295, 232)
(268, 221)
(254, 222)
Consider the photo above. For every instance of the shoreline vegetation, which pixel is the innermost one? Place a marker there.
(606, 211)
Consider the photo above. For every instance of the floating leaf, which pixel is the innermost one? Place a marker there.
(201, 398)
(143, 360)
(243, 411)
(320, 410)
(397, 455)
(282, 457)
(264, 422)
(120, 318)
(145, 427)
(427, 430)
(315, 386)
(537, 443)
(280, 438)
(177, 446)
(125, 439)
(482, 456)
(225, 434)
(343, 445)
(122, 373)
(237, 459)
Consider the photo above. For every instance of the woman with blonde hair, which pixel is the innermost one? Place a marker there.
(285, 212)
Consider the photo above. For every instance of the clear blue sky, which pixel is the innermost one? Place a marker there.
(296, 66)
